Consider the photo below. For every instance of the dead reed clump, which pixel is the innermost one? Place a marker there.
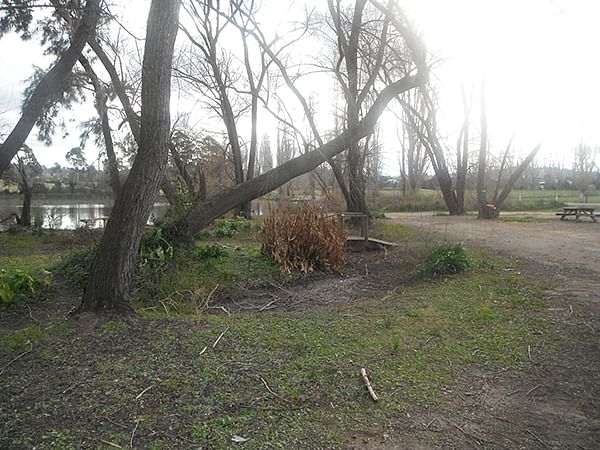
(304, 238)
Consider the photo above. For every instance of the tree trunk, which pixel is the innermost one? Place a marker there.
(25, 219)
(219, 204)
(515, 176)
(482, 204)
(111, 156)
(110, 276)
(101, 108)
(50, 85)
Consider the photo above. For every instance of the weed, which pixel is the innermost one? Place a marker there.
(76, 265)
(227, 227)
(155, 249)
(17, 285)
(209, 251)
(446, 259)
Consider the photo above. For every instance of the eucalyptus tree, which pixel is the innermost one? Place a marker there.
(18, 16)
(115, 261)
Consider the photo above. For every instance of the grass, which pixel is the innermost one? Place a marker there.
(281, 378)
(518, 200)
(524, 219)
(187, 280)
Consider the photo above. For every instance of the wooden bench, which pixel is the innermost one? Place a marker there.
(91, 223)
(577, 212)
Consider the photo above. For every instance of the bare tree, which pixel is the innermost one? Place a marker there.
(583, 166)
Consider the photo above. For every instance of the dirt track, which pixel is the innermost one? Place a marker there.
(571, 244)
(557, 405)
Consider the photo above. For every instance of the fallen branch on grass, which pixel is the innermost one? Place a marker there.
(219, 338)
(144, 391)
(363, 373)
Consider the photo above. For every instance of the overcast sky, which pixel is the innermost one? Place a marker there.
(539, 59)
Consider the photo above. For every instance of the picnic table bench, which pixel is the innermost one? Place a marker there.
(577, 212)
(94, 222)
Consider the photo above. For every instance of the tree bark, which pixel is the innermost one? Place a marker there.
(516, 175)
(101, 108)
(107, 289)
(219, 204)
(25, 219)
(484, 211)
(50, 85)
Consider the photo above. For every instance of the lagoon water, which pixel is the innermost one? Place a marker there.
(68, 214)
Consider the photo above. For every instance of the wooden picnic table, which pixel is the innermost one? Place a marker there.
(577, 212)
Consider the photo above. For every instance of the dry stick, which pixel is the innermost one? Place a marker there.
(137, 423)
(268, 304)
(363, 373)
(31, 315)
(203, 350)
(430, 423)
(271, 390)
(533, 389)
(120, 425)
(208, 298)
(110, 444)
(17, 357)
(144, 391)
(219, 338)
(538, 438)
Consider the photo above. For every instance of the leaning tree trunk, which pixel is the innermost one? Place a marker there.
(205, 212)
(108, 286)
(50, 86)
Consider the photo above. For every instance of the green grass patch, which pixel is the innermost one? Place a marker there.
(30, 262)
(190, 276)
(393, 232)
(413, 342)
(524, 219)
(19, 340)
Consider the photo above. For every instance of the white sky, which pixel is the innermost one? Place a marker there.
(539, 58)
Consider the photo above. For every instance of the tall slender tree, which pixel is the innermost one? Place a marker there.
(115, 261)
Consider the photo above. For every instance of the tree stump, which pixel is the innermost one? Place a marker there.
(489, 211)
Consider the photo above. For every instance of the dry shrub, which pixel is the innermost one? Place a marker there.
(304, 238)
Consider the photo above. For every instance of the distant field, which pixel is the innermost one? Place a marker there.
(529, 200)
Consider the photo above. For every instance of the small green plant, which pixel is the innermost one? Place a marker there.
(75, 266)
(155, 249)
(446, 259)
(227, 227)
(17, 285)
(209, 251)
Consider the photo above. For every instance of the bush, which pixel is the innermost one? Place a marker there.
(210, 251)
(446, 259)
(75, 266)
(304, 238)
(17, 285)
